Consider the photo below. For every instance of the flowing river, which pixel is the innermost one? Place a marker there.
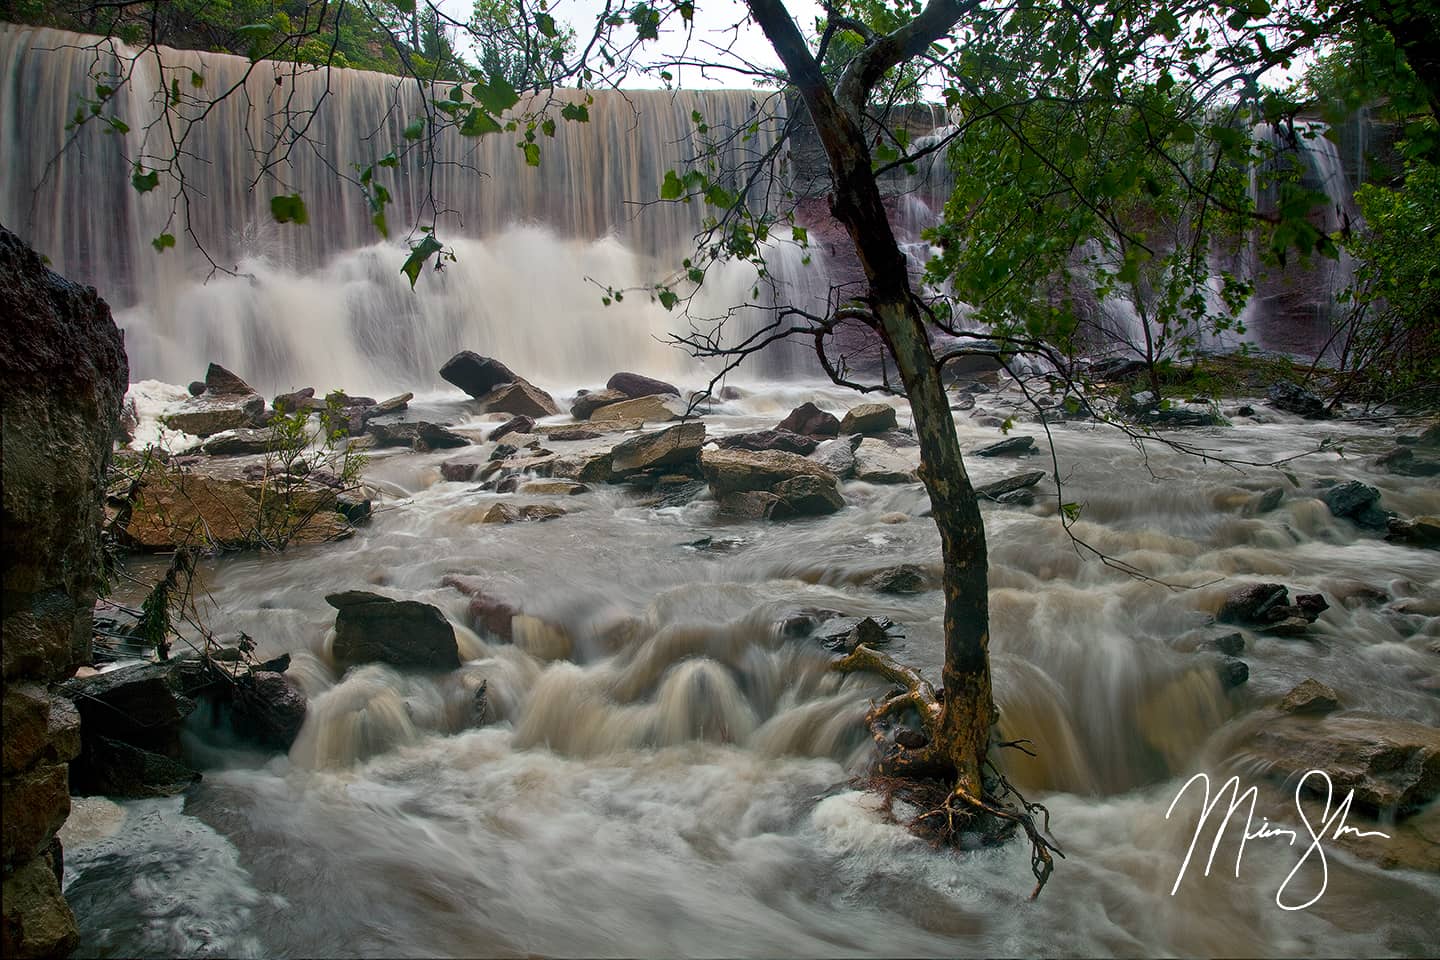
(679, 781)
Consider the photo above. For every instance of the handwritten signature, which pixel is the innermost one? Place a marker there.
(1332, 826)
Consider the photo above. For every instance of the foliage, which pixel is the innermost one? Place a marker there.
(526, 51)
(297, 452)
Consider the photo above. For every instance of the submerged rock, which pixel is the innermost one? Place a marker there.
(1009, 447)
(1355, 501)
(476, 375)
(370, 628)
(869, 418)
(1233, 672)
(1310, 696)
(1293, 398)
(810, 421)
(998, 489)
(634, 385)
(1250, 603)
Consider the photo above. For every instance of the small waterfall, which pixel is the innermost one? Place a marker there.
(324, 304)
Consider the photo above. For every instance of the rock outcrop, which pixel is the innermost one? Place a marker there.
(63, 374)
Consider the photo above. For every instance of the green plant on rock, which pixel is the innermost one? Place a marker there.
(309, 465)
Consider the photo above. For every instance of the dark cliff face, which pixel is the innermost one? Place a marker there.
(63, 374)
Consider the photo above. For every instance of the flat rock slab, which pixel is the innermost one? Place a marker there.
(673, 446)
(998, 489)
(734, 471)
(876, 462)
(660, 408)
(1009, 447)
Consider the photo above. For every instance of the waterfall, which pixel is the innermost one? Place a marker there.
(324, 304)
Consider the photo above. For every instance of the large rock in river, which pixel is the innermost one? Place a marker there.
(206, 415)
(476, 375)
(733, 471)
(877, 462)
(587, 403)
(669, 447)
(635, 385)
(370, 628)
(658, 408)
(869, 419)
(63, 373)
(810, 421)
(769, 440)
(521, 399)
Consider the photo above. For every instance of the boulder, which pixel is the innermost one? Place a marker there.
(902, 579)
(998, 489)
(1232, 672)
(302, 399)
(588, 402)
(768, 440)
(1310, 696)
(869, 418)
(1420, 532)
(1009, 447)
(1406, 462)
(131, 702)
(195, 387)
(1392, 765)
(36, 921)
(386, 407)
(844, 634)
(205, 416)
(521, 398)
(584, 467)
(808, 496)
(476, 375)
(510, 513)
(460, 471)
(634, 385)
(875, 462)
(520, 424)
(1356, 501)
(752, 505)
(236, 443)
(552, 488)
(669, 447)
(370, 628)
(184, 509)
(659, 408)
(733, 471)
(220, 382)
(838, 456)
(416, 434)
(113, 768)
(268, 708)
(1293, 398)
(1251, 603)
(809, 420)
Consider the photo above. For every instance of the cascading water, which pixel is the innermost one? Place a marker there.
(325, 303)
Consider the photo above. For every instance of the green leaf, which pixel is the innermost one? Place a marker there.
(1071, 511)
(419, 253)
(532, 154)
(477, 123)
(547, 126)
(404, 6)
(577, 112)
(163, 242)
(800, 235)
(289, 209)
(196, 80)
(144, 182)
(696, 275)
(668, 298)
(415, 129)
(672, 188)
(546, 24)
(497, 96)
(389, 160)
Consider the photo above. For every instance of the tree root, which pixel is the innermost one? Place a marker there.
(925, 775)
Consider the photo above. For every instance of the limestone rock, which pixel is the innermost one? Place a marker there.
(181, 509)
(669, 447)
(386, 407)
(130, 701)
(552, 488)
(370, 628)
(417, 434)
(1420, 532)
(204, 416)
(752, 505)
(998, 489)
(587, 403)
(476, 375)
(658, 408)
(809, 420)
(586, 468)
(875, 462)
(869, 418)
(768, 440)
(837, 456)
(1009, 447)
(235, 443)
(521, 398)
(37, 922)
(519, 424)
(510, 513)
(634, 385)
(733, 471)
(901, 579)
(809, 496)
(1310, 696)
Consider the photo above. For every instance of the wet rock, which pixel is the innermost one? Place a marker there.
(1310, 696)
(1392, 765)
(903, 579)
(113, 768)
(460, 471)
(586, 468)
(236, 443)
(204, 416)
(1233, 672)
(35, 803)
(634, 385)
(542, 639)
(220, 382)
(589, 401)
(510, 513)
(513, 425)
(1264, 502)
(36, 921)
(268, 708)
(476, 375)
(520, 398)
(416, 434)
(130, 702)
(768, 440)
(875, 462)
(195, 387)
(370, 628)
(1288, 627)
(183, 509)
(1420, 532)
(844, 634)
(1249, 604)
(752, 505)
(732, 471)
(1009, 447)
(894, 516)
(998, 489)
(386, 407)
(809, 420)
(658, 408)
(869, 418)
(347, 403)
(302, 399)
(552, 488)
(838, 456)
(1355, 501)
(1183, 416)
(1293, 398)
(1231, 644)
(670, 447)
(1406, 462)
(1116, 368)
(1311, 605)
(1141, 403)
(809, 496)
(488, 613)
(962, 401)
(1245, 410)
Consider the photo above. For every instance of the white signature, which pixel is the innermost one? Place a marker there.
(1332, 826)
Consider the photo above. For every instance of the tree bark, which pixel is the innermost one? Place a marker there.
(962, 733)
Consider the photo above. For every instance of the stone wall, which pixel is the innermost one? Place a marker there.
(63, 374)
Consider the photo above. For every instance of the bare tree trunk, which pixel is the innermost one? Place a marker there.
(962, 733)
